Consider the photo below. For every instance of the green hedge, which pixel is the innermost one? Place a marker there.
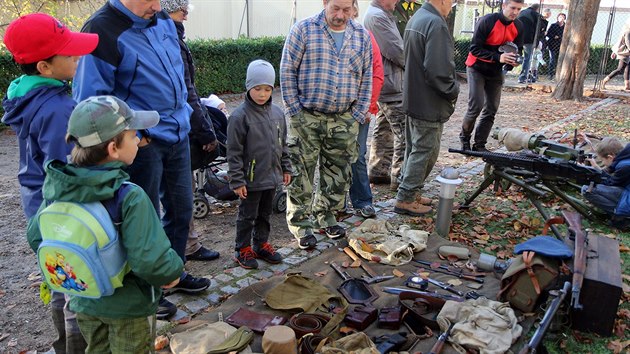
(222, 64)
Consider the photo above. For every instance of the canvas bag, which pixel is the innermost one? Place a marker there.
(81, 254)
(526, 278)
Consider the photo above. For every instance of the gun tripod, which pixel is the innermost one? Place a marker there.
(535, 188)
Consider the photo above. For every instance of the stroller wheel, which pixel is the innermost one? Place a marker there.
(280, 201)
(201, 208)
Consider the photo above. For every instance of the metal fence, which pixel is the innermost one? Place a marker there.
(610, 20)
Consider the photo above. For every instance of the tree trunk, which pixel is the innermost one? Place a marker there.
(574, 51)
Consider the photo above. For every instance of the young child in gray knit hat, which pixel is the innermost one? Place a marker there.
(258, 162)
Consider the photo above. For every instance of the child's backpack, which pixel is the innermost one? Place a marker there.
(81, 253)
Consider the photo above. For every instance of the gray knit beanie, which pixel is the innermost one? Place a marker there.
(260, 72)
(173, 5)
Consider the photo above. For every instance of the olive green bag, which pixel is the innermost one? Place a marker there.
(526, 279)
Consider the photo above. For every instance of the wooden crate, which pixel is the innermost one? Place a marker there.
(601, 290)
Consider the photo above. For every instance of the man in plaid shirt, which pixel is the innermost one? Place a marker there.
(325, 76)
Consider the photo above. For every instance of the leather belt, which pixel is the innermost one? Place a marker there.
(304, 323)
(311, 343)
(420, 309)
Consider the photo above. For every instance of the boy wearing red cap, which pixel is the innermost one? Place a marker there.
(37, 107)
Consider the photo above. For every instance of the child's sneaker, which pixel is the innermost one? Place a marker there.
(245, 257)
(267, 253)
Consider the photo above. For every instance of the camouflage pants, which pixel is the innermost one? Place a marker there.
(387, 150)
(423, 148)
(331, 140)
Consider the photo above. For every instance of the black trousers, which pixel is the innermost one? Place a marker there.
(252, 221)
(484, 96)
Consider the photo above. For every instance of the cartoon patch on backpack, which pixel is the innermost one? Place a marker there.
(81, 253)
(61, 273)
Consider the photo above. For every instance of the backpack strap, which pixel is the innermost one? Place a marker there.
(528, 257)
(114, 204)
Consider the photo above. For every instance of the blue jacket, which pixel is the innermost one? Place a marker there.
(138, 61)
(619, 175)
(39, 116)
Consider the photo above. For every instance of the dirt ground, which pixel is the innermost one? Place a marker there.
(25, 322)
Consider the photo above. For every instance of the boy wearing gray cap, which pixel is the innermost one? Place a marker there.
(258, 161)
(103, 129)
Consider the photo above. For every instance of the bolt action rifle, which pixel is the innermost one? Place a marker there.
(531, 171)
(574, 220)
(536, 340)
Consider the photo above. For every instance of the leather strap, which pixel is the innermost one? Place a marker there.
(420, 309)
(311, 343)
(556, 220)
(528, 257)
(305, 323)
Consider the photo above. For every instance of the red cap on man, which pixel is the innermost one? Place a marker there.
(39, 36)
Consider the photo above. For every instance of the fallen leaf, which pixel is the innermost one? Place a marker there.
(455, 282)
(345, 264)
(347, 330)
(355, 264)
(398, 273)
(623, 248)
(517, 226)
(2, 293)
(182, 320)
(250, 303)
(321, 274)
(615, 346)
(161, 342)
(3, 336)
(12, 342)
(34, 276)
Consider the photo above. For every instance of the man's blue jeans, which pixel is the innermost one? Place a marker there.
(528, 50)
(360, 193)
(163, 171)
(604, 197)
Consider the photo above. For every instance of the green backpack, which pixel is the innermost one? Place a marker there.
(81, 253)
(526, 279)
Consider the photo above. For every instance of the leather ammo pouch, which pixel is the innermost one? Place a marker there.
(360, 317)
(258, 322)
(526, 279)
(389, 318)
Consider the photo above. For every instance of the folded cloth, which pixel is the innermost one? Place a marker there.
(208, 336)
(482, 324)
(377, 240)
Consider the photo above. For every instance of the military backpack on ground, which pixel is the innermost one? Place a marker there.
(525, 280)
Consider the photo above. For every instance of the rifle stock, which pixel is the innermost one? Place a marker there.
(530, 348)
(546, 168)
(437, 347)
(574, 220)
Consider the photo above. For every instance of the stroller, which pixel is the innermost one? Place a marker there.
(211, 175)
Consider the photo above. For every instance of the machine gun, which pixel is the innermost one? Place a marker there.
(536, 340)
(537, 175)
(515, 139)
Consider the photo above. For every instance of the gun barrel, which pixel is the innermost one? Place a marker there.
(546, 321)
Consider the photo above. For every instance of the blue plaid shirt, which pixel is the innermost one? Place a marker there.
(314, 76)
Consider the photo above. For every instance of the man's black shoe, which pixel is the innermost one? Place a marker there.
(203, 254)
(165, 310)
(308, 242)
(480, 149)
(466, 146)
(191, 285)
(335, 231)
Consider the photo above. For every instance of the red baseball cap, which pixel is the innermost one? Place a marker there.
(39, 36)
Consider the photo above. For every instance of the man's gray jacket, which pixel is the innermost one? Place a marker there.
(430, 84)
(382, 24)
